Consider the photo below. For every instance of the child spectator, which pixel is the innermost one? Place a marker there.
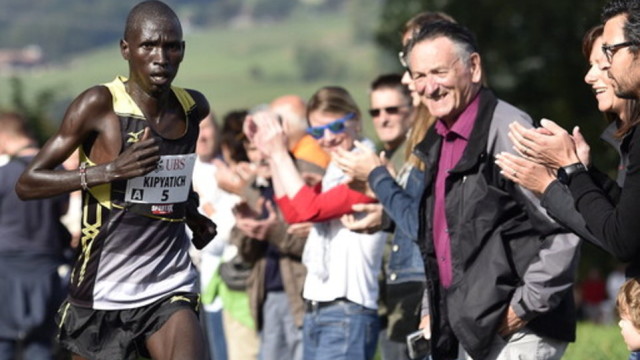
(628, 305)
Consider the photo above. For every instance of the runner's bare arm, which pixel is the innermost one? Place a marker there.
(90, 114)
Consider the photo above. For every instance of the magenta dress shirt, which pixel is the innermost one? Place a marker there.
(454, 141)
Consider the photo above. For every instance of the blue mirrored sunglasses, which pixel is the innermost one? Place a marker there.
(335, 127)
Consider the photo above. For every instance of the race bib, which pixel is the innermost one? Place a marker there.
(169, 183)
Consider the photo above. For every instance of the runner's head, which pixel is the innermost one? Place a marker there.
(153, 46)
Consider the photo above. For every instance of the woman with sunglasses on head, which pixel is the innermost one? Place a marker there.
(341, 287)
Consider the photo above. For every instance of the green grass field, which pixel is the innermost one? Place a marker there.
(597, 342)
(238, 68)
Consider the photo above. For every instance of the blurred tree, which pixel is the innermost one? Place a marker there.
(531, 51)
(361, 12)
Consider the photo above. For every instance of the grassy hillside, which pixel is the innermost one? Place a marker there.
(238, 68)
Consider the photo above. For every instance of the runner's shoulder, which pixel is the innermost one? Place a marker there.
(95, 100)
(201, 102)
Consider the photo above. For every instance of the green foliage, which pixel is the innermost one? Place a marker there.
(361, 13)
(393, 15)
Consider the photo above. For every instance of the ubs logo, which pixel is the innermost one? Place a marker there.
(170, 164)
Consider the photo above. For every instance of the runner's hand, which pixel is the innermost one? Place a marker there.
(139, 159)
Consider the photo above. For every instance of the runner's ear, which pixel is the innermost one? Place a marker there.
(124, 49)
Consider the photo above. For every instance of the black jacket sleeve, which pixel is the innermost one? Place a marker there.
(615, 224)
(558, 202)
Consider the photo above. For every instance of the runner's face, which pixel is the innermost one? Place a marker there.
(154, 50)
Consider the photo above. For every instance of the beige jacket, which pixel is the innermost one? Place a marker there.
(292, 270)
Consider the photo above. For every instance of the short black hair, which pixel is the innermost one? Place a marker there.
(391, 81)
(455, 32)
(614, 8)
(232, 135)
(151, 9)
(631, 29)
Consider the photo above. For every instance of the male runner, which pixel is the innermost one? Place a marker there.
(133, 287)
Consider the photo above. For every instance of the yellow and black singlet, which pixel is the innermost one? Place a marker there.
(133, 245)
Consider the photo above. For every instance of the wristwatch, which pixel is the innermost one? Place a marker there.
(566, 172)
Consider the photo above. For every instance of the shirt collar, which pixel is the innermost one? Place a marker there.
(463, 125)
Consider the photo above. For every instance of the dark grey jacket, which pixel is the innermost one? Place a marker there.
(505, 250)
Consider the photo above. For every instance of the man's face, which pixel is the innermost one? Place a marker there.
(391, 115)
(445, 82)
(623, 68)
(154, 51)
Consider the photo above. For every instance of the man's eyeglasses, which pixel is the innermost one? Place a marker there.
(610, 50)
(391, 110)
(335, 127)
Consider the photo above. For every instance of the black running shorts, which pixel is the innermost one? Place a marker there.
(117, 334)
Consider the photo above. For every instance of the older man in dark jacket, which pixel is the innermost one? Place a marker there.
(500, 272)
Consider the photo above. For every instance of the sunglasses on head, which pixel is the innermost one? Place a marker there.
(335, 127)
(391, 110)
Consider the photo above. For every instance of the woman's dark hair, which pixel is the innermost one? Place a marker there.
(232, 137)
